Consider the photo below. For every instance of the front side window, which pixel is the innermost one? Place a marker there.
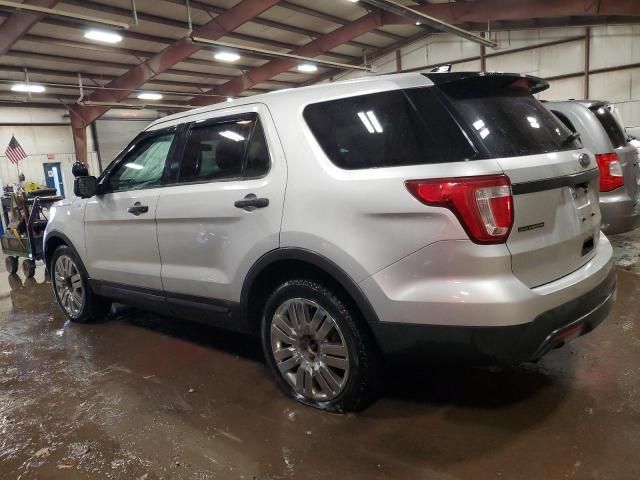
(143, 166)
(387, 129)
(225, 150)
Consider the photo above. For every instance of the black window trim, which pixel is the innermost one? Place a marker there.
(186, 134)
(103, 179)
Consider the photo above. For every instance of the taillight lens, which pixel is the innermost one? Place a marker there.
(610, 171)
(484, 205)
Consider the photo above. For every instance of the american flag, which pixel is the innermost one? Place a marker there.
(14, 151)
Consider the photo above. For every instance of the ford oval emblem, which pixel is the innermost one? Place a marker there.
(584, 160)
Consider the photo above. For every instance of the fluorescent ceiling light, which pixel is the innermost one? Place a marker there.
(135, 166)
(353, 1)
(103, 36)
(231, 135)
(307, 68)
(370, 121)
(227, 56)
(149, 96)
(23, 87)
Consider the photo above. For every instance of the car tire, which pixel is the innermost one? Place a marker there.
(71, 288)
(327, 360)
(11, 264)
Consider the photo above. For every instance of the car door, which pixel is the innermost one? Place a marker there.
(120, 225)
(224, 211)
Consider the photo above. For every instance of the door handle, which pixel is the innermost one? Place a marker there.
(137, 209)
(251, 202)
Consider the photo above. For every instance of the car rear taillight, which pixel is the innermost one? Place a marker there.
(610, 171)
(483, 205)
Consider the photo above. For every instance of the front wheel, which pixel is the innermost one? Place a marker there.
(318, 348)
(72, 289)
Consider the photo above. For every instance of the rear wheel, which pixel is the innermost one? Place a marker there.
(317, 348)
(11, 264)
(72, 290)
(28, 268)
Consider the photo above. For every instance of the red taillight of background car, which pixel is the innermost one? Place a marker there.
(484, 205)
(611, 176)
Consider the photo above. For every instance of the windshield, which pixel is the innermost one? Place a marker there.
(509, 121)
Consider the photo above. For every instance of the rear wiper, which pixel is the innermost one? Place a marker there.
(571, 138)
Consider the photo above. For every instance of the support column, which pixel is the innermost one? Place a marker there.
(79, 130)
(587, 61)
(483, 56)
(398, 60)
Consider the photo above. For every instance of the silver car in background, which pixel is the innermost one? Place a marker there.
(617, 159)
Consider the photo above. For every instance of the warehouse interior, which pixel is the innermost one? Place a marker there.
(139, 395)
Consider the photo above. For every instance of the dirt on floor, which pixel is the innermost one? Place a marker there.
(143, 397)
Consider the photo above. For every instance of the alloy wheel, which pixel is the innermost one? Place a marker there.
(69, 285)
(309, 349)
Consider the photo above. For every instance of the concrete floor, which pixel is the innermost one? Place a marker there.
(141, 397)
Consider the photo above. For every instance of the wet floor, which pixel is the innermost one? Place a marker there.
(142, 397)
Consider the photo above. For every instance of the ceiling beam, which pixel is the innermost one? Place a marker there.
(312, 49)
(380, 53)
(424, 20)
(102, 79)
(332, 18)
(455, 13)
(19, 23)
(493, 10)
(86, 62)
(160, 20)
(137, 54)
(205, 7)
(236, 16)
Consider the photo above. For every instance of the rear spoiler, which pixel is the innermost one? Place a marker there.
(487, 80)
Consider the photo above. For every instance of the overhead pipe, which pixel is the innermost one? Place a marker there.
(9, 5)
(276, 54)
(424, 20)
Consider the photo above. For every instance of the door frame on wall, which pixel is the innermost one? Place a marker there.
(56, 167)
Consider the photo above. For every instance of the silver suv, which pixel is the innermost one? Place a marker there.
(343, 223)
(602, 134)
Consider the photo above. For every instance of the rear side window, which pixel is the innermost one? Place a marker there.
(387, 129)
(563, 118)
(226, 149)
(508, 121)
(610, 125)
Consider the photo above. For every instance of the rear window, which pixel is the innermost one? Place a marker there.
(611, 126)
(388, 129)
(509, 121)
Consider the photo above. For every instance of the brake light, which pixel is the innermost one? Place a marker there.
(484, 205)
(610, 171)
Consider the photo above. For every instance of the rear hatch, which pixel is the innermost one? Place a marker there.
(555, 189)
(627, 153)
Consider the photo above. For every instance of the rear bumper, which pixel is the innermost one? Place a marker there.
(619, 212)
(506, 344)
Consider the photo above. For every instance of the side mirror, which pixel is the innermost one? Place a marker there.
(85, 187)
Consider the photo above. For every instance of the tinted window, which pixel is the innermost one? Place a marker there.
(218, 151)
(566, 122)
(387, 129)
(611, 126)
(509, 121)
(143, 165)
